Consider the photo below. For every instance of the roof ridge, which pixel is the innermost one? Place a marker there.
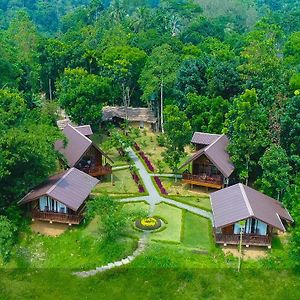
(245, 197)
(63, 177)
(90, 141)
(210, 145)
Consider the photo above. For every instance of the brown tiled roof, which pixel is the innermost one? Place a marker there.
(217, 154)
(240, 202)
(204, 138)
(134, 114)
(70, 188)
(77, 145)
(84, 129)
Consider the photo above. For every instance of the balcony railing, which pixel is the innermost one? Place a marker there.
(56, 217)
(247, 239)
(97, 170)
(203, 180)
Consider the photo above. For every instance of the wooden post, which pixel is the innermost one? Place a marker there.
(242, 226)
(162, 107)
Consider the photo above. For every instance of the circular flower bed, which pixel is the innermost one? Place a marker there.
(151, 223)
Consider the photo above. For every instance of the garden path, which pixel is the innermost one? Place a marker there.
(154, 197)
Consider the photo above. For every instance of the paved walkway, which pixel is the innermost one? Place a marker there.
(154, 197)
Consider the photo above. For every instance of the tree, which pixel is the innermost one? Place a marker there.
(247, 127)
(159, 74)
(113, 219)
(27, 156)
(124, 65)
(7, 235)
(276, 172)
(178, 134)
(206, 114)
(82, 95)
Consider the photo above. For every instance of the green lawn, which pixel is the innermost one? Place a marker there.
(173, 216)
(196, 231)
(80, 247)
(197, 201)
(123, 184)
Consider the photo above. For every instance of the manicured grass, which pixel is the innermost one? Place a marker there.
(200, 202)
(196, 231)
(173, 217)
(179, 188)
(123, 184)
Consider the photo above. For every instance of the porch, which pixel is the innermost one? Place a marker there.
(214, 182)
(96, 171)
(56, 217)
(247, 239)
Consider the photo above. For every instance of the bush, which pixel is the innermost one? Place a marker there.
(160, 186)
(7, 237)
(161, 140)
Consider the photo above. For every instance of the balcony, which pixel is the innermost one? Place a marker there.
(56, 217)
(203, 180)
(96, 171)
(247, 239)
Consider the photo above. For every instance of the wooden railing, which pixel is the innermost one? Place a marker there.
(56, 217)
(247, 239)
(98, 170)
(203, 179)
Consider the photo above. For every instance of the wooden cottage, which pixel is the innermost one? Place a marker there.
(140, 117)
(262, 214)
(210, 166)
(61, 198)
(83, 154)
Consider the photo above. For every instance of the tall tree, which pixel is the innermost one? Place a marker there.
(275, 172)
(247, 127)
(159, 75)
(82, 95)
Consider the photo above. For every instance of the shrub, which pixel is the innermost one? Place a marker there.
(161, 140)
(7, 237)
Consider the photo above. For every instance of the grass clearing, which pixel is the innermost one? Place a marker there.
(123, 184)
(200, 202)
(196, 231)
(173, 216)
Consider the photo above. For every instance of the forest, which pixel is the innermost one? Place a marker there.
(228, 67)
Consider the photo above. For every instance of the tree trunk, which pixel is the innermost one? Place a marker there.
(50, 90)
(162, 107)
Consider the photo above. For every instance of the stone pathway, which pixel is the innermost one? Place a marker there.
(125, 261)
(154, 197)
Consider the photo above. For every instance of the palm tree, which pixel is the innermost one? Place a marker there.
(117, 11)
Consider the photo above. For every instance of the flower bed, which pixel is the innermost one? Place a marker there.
(151, 223)
(137, 180)
(160, 186)
(147, 161)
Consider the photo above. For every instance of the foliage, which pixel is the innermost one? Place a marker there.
(112, 218)
(27, 155)
(7, 235)
(82, 95)
(275, 172)
(178, 134)
(246, 125)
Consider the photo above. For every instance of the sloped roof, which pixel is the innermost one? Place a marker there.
(77, 145)
(86, 130)
(240, 202)
(134, 114)
(70, 188)
(216, 153)
(204, 138)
